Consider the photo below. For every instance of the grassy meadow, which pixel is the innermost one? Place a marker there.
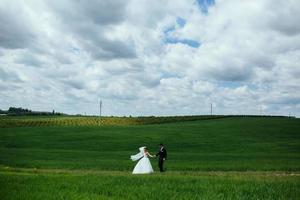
(225, 158)
(55, 184)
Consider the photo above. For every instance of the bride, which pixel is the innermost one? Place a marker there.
(143, 166)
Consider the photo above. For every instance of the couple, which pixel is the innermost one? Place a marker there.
(144, 165)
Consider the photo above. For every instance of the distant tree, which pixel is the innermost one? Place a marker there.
(18, 111)
(22, 111)
(3, 111)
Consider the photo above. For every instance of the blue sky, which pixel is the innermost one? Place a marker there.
(205, 4)
(169, 39)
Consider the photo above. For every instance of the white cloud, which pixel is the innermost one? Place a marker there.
(67, 55)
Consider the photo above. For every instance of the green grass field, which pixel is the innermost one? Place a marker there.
(55, 184)
(227, 158)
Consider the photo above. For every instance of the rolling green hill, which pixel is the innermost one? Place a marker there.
(219, 144)
(225, 158)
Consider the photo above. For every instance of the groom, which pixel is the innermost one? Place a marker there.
(162, 156)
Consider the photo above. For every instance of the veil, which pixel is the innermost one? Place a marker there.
(138, 155)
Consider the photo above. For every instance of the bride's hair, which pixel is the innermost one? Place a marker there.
(145, 149)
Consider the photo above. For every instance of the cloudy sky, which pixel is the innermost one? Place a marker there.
(151, 57)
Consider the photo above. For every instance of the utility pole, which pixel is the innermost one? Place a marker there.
(100, 108)
(211, 109)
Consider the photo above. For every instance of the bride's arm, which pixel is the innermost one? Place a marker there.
(150, 155)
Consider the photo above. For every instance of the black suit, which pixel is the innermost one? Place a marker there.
(162, 156)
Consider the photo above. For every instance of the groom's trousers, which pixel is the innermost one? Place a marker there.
(161, 164)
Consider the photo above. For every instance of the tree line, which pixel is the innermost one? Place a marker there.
(14, 111)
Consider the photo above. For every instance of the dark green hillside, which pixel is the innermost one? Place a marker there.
(226, 158)
(221, 144)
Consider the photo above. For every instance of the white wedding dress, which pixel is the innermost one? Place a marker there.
(144, 165)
